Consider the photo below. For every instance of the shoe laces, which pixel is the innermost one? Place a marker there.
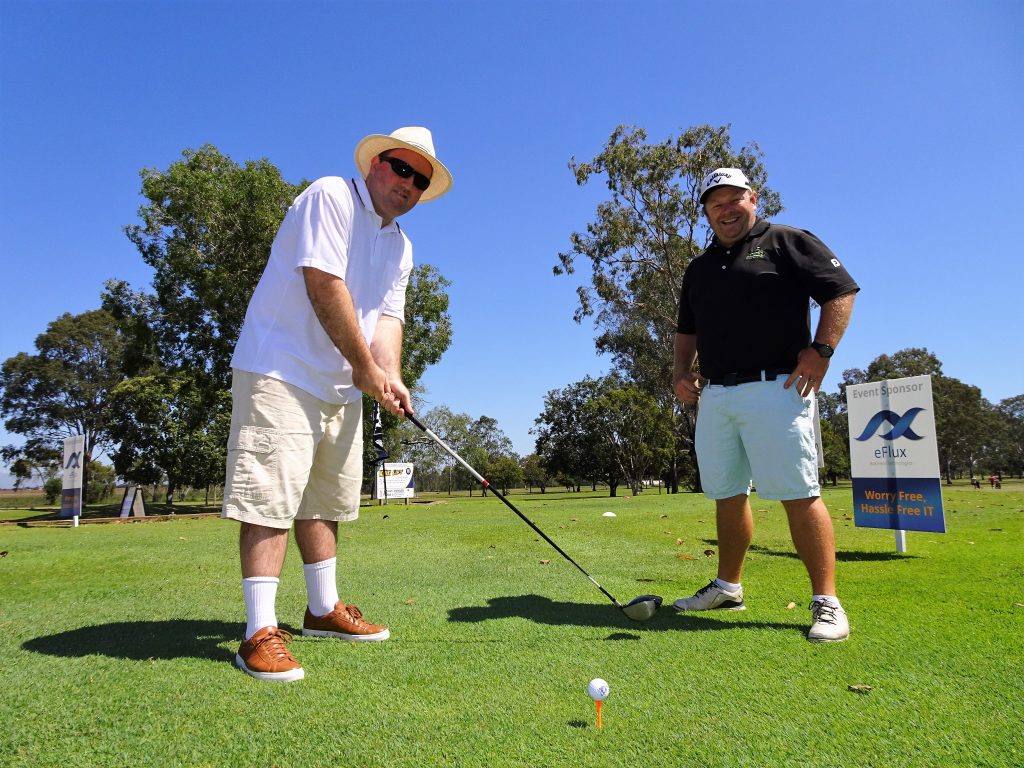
(273, 644)
(823, 612)
(710, 585)
(355, 614)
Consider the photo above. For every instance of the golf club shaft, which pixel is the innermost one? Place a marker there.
(486, 484)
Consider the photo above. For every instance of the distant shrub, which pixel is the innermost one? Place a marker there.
(52, 488)
(101, 483)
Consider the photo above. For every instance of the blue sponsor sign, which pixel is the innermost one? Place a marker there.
(894, 455)
(903, 504)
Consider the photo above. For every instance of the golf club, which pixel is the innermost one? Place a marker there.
(639, 608)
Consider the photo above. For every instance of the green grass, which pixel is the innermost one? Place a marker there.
(117, 643)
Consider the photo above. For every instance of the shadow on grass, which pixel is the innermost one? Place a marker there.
(543, 610)
(842, 556)
(143, 640)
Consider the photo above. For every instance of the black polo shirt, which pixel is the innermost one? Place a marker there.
(749, 305)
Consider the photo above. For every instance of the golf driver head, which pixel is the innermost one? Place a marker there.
(642, 608)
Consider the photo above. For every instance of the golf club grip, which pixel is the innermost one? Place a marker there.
(486, 484)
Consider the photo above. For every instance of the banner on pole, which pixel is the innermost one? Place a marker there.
(378, 433)
(894, 455)
(395, 481)
(74, 469)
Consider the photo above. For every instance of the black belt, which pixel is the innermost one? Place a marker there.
(732, 379)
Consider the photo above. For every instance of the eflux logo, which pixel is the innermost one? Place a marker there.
(900, 425)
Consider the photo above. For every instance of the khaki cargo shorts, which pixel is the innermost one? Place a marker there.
(291, 456)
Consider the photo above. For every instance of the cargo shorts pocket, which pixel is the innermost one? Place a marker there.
(253, 456)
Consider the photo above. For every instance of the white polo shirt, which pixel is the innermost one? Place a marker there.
(333, 227)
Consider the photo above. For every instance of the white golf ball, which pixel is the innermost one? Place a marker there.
(597, 689)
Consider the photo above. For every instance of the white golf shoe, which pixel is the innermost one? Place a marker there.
(828, 623)
(712, 598)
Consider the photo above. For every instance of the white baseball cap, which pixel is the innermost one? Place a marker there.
(420, 141)
(723, 177)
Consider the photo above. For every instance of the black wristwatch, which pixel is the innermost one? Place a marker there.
(822, 349)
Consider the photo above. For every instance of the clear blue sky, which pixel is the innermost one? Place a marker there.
(891, 130)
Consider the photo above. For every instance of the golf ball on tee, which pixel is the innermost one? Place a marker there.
(597, 689)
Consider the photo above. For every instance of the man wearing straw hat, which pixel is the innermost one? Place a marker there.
(324, 326)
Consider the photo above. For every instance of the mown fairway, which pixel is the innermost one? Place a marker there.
(118, 641)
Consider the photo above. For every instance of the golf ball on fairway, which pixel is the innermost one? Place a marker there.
(597, 689)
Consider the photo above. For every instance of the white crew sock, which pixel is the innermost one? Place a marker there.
(728, 586)
(830, 599)
(260, 594)
(321, 586)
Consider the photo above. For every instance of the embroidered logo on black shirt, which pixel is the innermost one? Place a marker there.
(757, 253)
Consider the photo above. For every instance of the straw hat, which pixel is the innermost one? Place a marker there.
(419, 141)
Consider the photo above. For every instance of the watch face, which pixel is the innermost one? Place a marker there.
(822, 349)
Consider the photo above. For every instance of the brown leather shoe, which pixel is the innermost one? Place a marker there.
(344, 622)
(266, 657)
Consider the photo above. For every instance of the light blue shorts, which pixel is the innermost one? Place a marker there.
(758, 432)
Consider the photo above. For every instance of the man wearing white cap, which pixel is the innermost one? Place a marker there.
(324, 327)
(744, 312)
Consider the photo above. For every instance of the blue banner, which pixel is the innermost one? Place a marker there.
(901, 503)
(70, 502)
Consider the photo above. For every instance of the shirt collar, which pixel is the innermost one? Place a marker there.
(759, 228)
(363, 195)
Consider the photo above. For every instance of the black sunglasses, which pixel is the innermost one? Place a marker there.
(403, 170)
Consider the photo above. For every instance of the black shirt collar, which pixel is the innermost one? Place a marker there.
(759, 228)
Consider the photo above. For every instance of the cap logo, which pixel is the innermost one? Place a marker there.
(714, 178)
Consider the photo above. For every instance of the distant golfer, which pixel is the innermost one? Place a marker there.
(744, 312)
(324, 325)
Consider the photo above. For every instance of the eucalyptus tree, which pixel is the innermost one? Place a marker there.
(480, 442)
(505, 472)
(605, 429)
(1011, 414)
(633, 431)
(62, 390)
(173, 432)
(566, 437)
(835, 435)
(534, 473)
(36, 456)
(206, 230)
(962, 415)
